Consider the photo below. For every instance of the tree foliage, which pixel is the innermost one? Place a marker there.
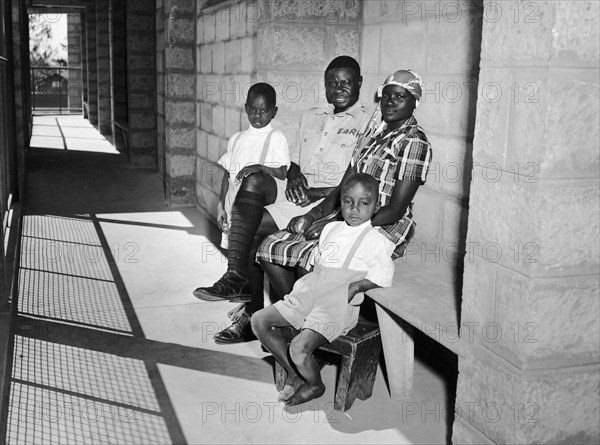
(42, 50)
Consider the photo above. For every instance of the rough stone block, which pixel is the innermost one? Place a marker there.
(453, 47)
(530, 331)
(222, 18)
(492, 116)
(478, 296)
(572, 93)
(181, 138)
(183, 6)
(232, 121)
(454, 224)
(182, 31)
(206, 116)
(180, 58)
(218, 58)
(218, 120)
(576, 33)
(296, 92)
(535, 215)
(209, 175)
(455, 169)
(139, 83)
(427, 211)
(222, 146)
(237, 21)
(255, 13)
(248, 60)
(284, 45)
(181, 85)
(202, 143)
(213, 148)
(180, 112)
(205, 59)
(378, 11)
(316, 11)
(463, 433)
(181, 166)
(371, 35)
(346, 41)
(208, 24)
(514, 33)
(233, 56)
(411, 47)
(142, 120)
(534, 407)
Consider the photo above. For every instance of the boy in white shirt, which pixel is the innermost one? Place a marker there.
(353, 257)
(259, 149)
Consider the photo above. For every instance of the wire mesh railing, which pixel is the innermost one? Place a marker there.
(56, 90)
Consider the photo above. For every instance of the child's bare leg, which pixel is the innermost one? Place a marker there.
(262, 323)
(302, 350)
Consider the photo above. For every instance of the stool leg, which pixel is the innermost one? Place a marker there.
(357, 374)
(370, 350)
(399, 352)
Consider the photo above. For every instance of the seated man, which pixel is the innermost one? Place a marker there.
(326, 139)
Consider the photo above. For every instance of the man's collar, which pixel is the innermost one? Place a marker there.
(329, 109)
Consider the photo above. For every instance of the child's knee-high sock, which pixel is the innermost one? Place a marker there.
(246, 215)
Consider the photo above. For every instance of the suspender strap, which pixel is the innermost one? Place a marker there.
(265, 150)
(355, 246)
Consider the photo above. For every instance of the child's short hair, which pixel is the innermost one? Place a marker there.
(367, 181)
(265, 90)
(344, 62)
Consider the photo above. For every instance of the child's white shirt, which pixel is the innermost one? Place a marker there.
(248, 150)
(374, 255)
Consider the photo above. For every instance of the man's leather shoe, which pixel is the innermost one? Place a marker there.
(230, 287)
(240, 331)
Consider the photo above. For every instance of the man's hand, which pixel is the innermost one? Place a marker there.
(297, 187)
(248, 170)
(222, 220)
(299, 224)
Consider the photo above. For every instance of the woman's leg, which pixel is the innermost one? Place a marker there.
(281, 278)
(262, 323)
(302, 350)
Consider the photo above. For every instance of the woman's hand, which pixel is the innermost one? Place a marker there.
(299, 224)
(248, 170)
(315, 229)
(222, 220)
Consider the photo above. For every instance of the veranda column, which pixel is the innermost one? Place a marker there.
(530, 309)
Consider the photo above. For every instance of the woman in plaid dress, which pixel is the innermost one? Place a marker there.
(394, 151)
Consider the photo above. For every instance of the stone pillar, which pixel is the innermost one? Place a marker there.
(103, 67)
(160, 88)
(74, 59)
(180, 101)
(92, 67)
(118, 71)
(141, 82)
(530, 308)
(84, 65)
(21, 79)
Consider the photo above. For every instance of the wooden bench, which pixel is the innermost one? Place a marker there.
(360, 350)
(425, 295)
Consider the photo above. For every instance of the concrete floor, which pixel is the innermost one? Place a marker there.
(110, 346)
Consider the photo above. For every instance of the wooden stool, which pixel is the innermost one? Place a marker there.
(359, 349)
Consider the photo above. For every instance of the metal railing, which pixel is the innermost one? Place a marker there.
(56, 90)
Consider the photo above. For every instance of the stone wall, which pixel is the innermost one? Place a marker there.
(160, 87)
(287, 44)
(141, 82)
(74, 59)
(441, 41)
(530, 298)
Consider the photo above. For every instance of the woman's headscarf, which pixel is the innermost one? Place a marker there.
(407, 79)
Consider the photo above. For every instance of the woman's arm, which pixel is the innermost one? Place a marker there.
(402, 196)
